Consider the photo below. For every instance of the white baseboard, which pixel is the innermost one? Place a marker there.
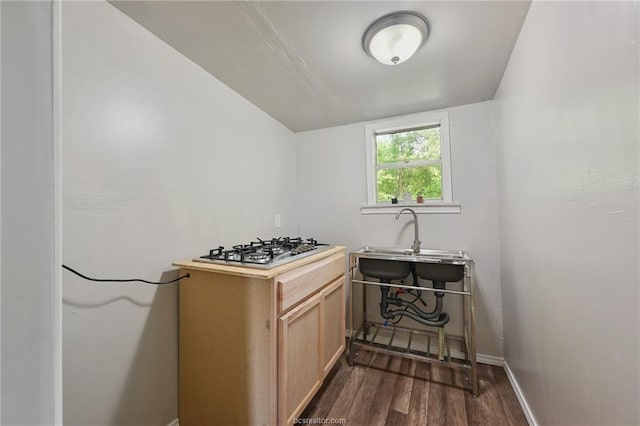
(521, 399)
(174, 422)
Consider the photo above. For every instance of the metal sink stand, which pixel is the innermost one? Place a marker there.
(367, 333)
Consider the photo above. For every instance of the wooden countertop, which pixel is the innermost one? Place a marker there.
(264, 274)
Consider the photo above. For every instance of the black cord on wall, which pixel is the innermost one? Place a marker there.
(103, 280)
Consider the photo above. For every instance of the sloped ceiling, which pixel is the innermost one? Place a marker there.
(302, 62)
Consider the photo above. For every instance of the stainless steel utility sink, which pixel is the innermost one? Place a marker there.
(384, 270)
(443, 272)
(407, 255)
(430, 264)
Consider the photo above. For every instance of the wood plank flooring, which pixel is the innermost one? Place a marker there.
(388, 390)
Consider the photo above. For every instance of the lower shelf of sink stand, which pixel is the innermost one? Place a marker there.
(410, 343)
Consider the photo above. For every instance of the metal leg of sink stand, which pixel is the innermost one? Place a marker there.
(464, 344)
(474, 367)
(353, 332)
(472, 334)
(351, 349)
(364, 309)
(441, 343)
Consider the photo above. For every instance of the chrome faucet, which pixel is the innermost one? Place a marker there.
(416, 238)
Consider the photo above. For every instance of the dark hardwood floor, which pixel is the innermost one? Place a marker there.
(389, 390)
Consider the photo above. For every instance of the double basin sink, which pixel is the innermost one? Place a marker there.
(391, 263)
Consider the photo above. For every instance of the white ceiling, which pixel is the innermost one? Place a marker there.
(302, 61)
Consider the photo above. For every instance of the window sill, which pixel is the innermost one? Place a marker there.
(442, 208)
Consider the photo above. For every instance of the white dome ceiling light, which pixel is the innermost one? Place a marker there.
(394, 38)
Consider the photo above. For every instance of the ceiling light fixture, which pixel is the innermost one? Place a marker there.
(394, 38)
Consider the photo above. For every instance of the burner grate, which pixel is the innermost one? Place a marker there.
(264, 253)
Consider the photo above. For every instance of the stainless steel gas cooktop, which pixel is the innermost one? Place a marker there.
(264, 254)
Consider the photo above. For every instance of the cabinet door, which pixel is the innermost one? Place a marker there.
(300, 353)
(334, 326)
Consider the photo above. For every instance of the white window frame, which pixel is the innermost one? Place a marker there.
(410, 122)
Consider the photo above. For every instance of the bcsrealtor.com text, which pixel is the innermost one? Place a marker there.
(319, 421)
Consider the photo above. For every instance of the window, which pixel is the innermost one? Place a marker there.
(407, 158)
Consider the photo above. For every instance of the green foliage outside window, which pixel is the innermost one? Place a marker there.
(401, 150)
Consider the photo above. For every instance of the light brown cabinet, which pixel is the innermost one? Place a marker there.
(300, 371)
(333, 298)
(256, 345)
(311, 338)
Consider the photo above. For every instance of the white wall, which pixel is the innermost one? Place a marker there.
(161, 163)
(28, 232)
(332, 188)
(566, 123)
